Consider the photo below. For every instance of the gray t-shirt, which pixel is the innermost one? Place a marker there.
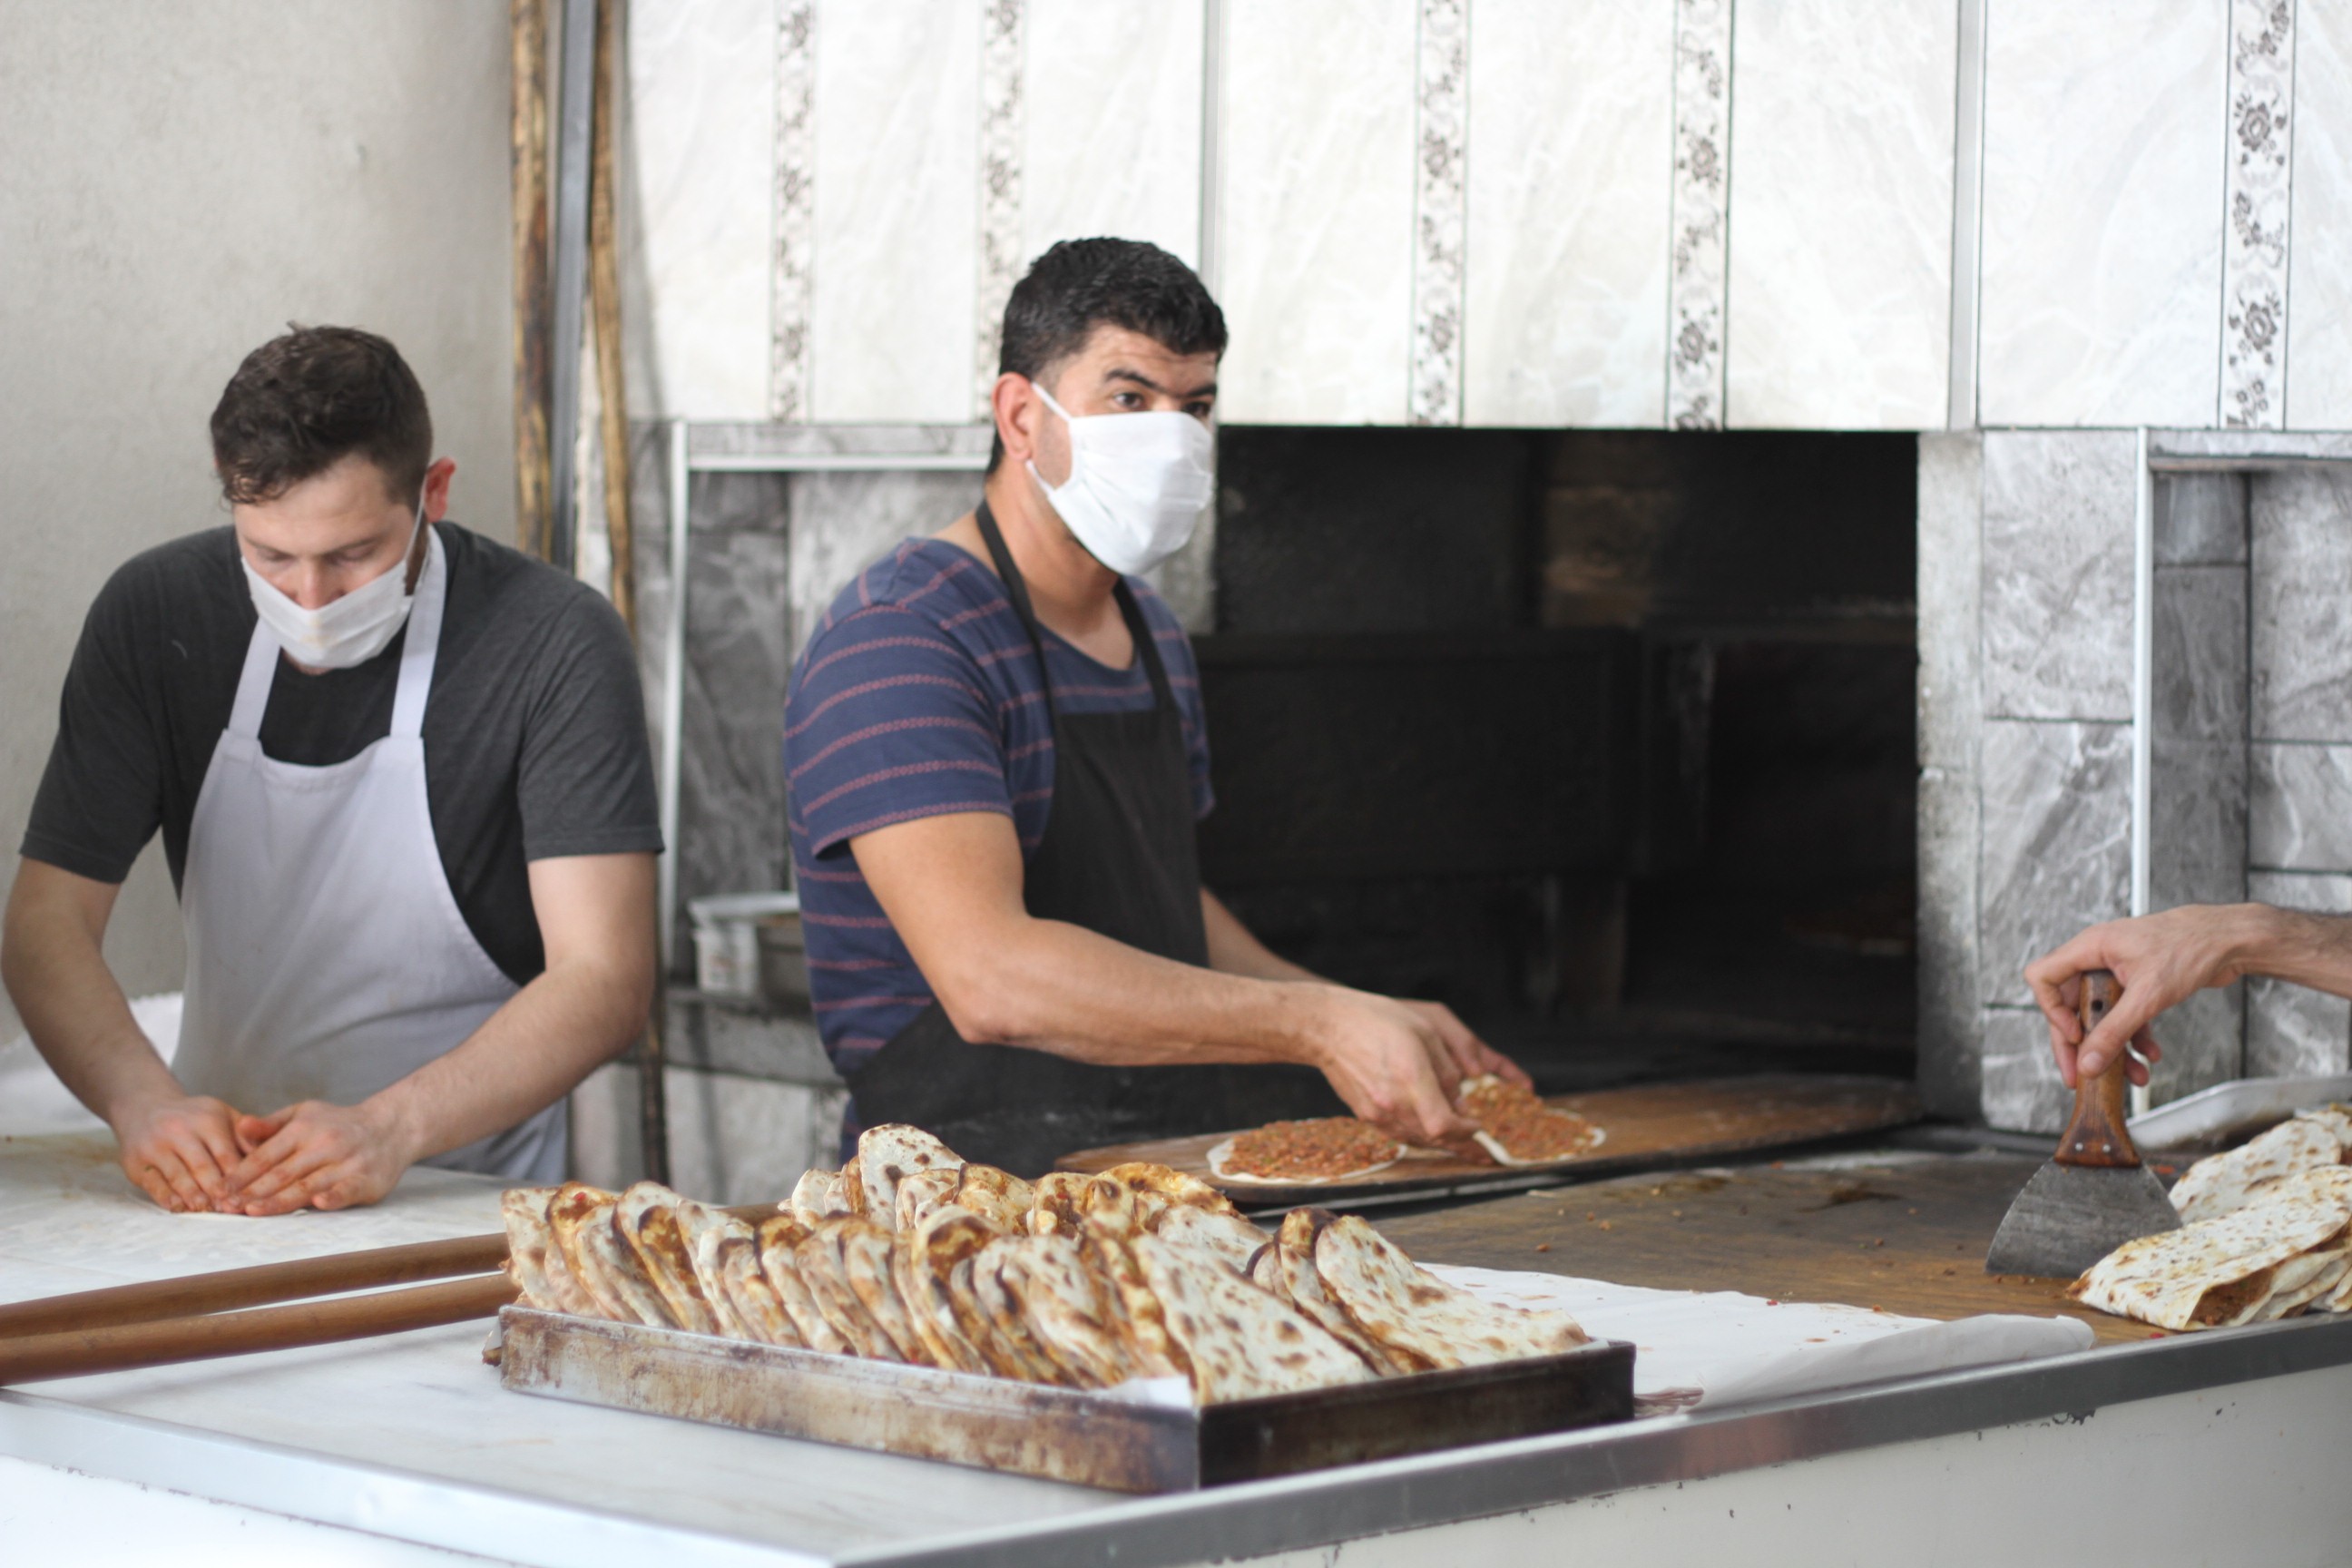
(534, 730)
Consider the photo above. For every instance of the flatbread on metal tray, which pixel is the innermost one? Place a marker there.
(1394, 1300)
(2224, 1183)
(921, 1262)
(1241, 1342)
(921, 1195)
(1054, 1206)
(779, 1239)
(2214, 1273)
(705, 1228)
(1293, 1265)
(816, 1197)
(1007, 1314)
(750, 1293)
(646, 1217)
(867, 1262)
(1108, 1207)
(616, 1267)
(998, 1196)
(1223, 1237)
(535, 1258)
(1065, 1308)
(826, 1273)
(1142, 1327)
(2299, 1281)
(889, 1154)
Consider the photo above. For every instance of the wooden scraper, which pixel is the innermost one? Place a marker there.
(2093, 1195)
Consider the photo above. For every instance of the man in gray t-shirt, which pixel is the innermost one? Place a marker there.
(403, 781)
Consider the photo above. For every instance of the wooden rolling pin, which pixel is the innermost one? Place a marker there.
(32, 1357)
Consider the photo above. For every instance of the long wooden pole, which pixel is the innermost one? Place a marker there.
(528, 22)
(605, 300)
(74, 1352)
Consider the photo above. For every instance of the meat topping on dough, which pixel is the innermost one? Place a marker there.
(1517, 1128)
(1317, 1150)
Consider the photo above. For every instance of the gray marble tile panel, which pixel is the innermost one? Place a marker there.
(2023, 1090)
(2057, 842)
(2299, 808)
(2057, 574)
(1950, 511)
(2197, 823)
(2199, 651)
(2290, 1029)
(2201, 519)
(732, 1140)
(2300, 594)
(2248, 445)
(843, 522)
(2203, 1041)
(781, 1048)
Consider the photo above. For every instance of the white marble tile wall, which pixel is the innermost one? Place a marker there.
(898, 185)
(1571, 121)
(1111, 143)
(2103, 212)
(793, 247)
(2319, 281)
(1703, 157)
(1316, 210)
(2256, 165)
(2057, 598)
(2301, 585)
(696, 154)
(2293, 1030)
(1440, 148)
(1840, 290)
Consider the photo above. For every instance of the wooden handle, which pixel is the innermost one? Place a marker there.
(154, 1299)
(70, 1354)
(195, 1293)
(2097, 1135)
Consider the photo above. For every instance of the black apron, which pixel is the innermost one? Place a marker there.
(1119, 859)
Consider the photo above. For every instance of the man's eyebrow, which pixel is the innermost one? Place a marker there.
(1122, 373)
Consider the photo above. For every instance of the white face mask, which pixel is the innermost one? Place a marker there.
(1138, 483)
(351, 631)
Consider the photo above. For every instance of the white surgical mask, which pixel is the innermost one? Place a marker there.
(1138, 483)
(351, 631)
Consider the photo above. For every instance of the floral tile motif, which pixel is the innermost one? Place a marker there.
(790, 346)
(1000, 185)
(1701, 214)
(2257, 177)
(1439, 214)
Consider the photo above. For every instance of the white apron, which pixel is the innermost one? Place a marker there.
(326, 957)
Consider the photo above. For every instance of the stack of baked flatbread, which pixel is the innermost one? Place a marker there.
(2268, 1234)
(909, 1254)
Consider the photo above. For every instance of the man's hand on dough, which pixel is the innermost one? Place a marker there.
(316, 1155)
(179, 1149)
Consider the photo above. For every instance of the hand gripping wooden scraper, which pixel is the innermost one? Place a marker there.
(2093, 1195)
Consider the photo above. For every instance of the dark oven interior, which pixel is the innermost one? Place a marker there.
(1604, 738)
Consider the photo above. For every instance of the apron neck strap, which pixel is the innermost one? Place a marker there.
(1016, 588)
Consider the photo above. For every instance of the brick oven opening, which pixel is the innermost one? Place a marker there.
(1604, 738)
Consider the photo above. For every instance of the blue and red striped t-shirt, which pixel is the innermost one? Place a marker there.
(918, 696)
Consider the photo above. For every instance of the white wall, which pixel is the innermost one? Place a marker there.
(179, 180)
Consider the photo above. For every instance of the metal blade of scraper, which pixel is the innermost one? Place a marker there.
(2093, 1195)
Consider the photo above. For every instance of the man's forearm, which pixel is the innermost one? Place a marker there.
(56, 972)
(529, 1054)
(2296, 945)
(1058, 987)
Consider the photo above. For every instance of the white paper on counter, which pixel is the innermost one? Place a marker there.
(1697, 1349)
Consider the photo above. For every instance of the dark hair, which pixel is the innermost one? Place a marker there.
(303, 402)
(1081, 284)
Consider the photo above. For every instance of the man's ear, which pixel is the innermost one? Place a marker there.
(436, 488)
(1014, 401)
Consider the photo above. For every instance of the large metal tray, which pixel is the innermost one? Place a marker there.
(1126, 1441)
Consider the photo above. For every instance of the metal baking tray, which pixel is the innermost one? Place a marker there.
(2215, 1116)
(1147, 1437)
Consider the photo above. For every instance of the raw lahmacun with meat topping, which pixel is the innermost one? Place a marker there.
(1306, 1153)
(1517, 1128)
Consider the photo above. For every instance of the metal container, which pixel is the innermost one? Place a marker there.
(1145, 1437)
(783, 962)
(727, 940)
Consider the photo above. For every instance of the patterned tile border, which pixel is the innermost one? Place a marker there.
(1440, 216)
(1701, 214)
(790, 341)
(2258, 191)
(1000, 185)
